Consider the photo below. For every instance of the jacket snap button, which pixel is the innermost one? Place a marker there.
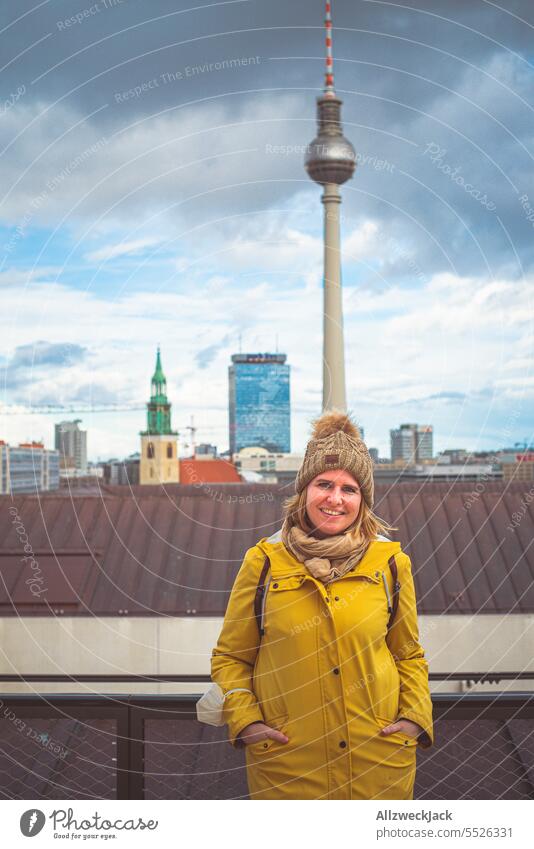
(265, 745)
(337, 598)
(343, 745)
(336, 671)
(275, 586)
(406, 742)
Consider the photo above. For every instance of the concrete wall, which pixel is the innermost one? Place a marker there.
(182, 645)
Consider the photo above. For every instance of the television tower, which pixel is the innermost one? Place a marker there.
(330, 161)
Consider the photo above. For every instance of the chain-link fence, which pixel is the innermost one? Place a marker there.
(185, 760)
(153, 748)
(59, 758)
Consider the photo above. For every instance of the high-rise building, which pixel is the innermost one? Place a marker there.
(122, 472)
(159, 442)
(425, 438)
(412, 443)
(71, 442)
(28, 467)
(259, 402)
(330, 161)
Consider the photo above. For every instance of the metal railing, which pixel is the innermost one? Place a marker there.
(479, 677)
(151, 746)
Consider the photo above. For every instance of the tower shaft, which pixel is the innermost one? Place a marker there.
(334, 394)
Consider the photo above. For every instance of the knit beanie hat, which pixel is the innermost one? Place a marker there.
(336, 444)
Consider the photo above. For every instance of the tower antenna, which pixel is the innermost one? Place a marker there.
(329, 73)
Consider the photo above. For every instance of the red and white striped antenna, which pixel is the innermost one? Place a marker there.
(329, 75)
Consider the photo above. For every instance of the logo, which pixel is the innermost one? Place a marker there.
(331, 459)
(31, 822)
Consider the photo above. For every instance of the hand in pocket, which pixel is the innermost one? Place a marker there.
(258, 731)
(405, 726)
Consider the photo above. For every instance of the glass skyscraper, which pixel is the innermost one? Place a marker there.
(259, 402)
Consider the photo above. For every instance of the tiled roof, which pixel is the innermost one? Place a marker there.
(170, 550)
(197, 472)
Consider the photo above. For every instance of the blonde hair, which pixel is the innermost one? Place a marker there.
(367, 524)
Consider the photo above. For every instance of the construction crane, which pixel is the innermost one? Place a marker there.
(61, 409)
(192, 432)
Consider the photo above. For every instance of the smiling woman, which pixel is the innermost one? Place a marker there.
(333, 502)
(323, 677)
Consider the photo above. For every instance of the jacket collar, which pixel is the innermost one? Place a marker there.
(283, 563)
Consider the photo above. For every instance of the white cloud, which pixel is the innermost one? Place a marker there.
(362, 242)
(134, 247)
(16, 277)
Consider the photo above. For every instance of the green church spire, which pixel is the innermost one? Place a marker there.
(158, 408)
(159, 383)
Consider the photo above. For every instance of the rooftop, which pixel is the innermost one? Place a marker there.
(170, 550)
(198, 472)
(259, 358)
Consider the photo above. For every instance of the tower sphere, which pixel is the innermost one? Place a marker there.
(330, 157)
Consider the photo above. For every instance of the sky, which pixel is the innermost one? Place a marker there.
(153, 193)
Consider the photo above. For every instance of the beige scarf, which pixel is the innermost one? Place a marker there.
(325, 559)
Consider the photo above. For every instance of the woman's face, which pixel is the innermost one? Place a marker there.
(333, 502)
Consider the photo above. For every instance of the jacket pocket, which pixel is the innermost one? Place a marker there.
(263, 747)
(400, 738)
(283, 584)
(372, 576)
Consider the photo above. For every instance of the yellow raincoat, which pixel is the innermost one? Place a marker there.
(328, 674)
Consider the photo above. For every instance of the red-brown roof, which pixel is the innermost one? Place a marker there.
(197, 472)
(175, 549)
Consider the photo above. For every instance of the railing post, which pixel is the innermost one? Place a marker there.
(136, 734)
(123, 751)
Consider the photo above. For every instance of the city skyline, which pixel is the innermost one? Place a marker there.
(504, 438)
(141, 209)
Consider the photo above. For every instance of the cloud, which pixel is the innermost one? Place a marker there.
(179, 169)
(206, 356)
(29, 363)
(133, 247)
(437, 287)
(95, 393)
(401, 353)
(449, 397)
(23, 277)
(39, 354)
(204, 172)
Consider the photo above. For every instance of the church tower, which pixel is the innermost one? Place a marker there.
(159, 443)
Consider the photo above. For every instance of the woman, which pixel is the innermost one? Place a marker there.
(324, 679)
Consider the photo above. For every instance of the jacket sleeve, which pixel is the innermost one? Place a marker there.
(403, 642)
(233, 658)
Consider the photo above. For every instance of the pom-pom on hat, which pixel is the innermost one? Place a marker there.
(336, 444)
